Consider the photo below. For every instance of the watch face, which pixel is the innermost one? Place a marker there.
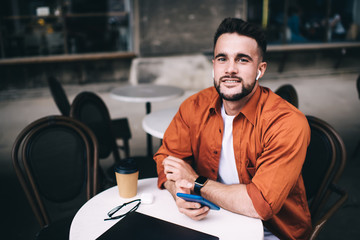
(201, 180)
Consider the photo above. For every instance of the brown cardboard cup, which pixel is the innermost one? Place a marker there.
(127, 175)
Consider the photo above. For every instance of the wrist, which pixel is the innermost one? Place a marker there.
(170, 186)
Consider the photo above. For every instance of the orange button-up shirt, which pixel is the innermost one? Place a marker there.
(270, 139)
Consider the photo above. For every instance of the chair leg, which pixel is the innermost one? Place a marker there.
(126, 148)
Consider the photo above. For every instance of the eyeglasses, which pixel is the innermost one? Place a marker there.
(116, 209)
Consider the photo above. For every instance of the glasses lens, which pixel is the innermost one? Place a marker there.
(123, 210)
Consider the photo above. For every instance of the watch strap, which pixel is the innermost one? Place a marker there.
(200, 182)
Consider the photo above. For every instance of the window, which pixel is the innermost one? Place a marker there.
(307, 21)
(49, 27)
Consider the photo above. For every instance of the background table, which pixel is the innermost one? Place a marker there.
(146, 93)
(89, 223)
(156, 123)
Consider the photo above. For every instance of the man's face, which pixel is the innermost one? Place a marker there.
(236, 63)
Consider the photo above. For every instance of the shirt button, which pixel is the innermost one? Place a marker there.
(213, 170)
(215, 152)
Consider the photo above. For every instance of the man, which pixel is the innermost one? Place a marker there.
(238, 144)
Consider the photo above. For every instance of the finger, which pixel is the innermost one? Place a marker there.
(171, 173)
(183, 183)
(201, 213)
(171, 176)
(173, 160)
(171, 169)
(170, 162)
(188, 205)
(168, 169)
(195, 214)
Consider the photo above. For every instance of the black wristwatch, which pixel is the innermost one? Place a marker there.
(199, 183)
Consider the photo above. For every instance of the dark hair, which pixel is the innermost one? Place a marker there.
(237, 25)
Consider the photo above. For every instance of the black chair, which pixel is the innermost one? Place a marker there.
(59, 96)
(288, 93)
(120, 126)
(357, 148)
(90, 109)
(55, 159)
(324, 164)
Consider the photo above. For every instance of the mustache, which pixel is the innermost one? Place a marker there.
(230, 76)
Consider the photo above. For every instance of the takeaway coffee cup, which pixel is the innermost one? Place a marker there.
(127, 174)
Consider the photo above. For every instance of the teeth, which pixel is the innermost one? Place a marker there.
(231, 81)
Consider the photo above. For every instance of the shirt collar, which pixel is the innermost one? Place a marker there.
(215, 105)
(249, 110)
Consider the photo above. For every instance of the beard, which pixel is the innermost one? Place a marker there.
(246, 90)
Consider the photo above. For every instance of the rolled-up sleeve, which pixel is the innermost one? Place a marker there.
(176, 142)
(278, 169)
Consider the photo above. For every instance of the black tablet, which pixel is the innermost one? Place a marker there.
(138, 226)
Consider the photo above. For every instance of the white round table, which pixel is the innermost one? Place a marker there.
(146, 93)
(89, 223)
(156, 123)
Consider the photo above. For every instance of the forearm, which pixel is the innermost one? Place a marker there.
(170, 186)
(233, 198)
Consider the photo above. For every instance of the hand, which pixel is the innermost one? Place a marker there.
(176, 169)
(193, 210)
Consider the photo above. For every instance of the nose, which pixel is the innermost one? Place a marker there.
(231, 68)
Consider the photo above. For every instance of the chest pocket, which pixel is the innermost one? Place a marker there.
(252, 153)
(249, 172)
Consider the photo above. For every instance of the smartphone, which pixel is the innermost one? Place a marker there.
(199, 199)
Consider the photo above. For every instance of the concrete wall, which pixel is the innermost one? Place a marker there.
(182, 26)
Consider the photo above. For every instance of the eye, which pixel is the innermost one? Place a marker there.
(221, 59)
(242, 60)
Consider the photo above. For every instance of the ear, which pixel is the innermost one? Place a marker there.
(262, 68)
(259, 74)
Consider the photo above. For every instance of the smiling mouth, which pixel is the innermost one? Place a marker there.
(229, 79)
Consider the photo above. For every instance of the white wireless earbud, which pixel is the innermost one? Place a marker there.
(257, 77)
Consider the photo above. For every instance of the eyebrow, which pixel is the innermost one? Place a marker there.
(239, 55)
(220, 55)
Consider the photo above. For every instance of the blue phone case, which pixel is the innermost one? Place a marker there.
(199, 199)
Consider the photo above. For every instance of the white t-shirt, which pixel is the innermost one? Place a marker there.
(228, 173)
